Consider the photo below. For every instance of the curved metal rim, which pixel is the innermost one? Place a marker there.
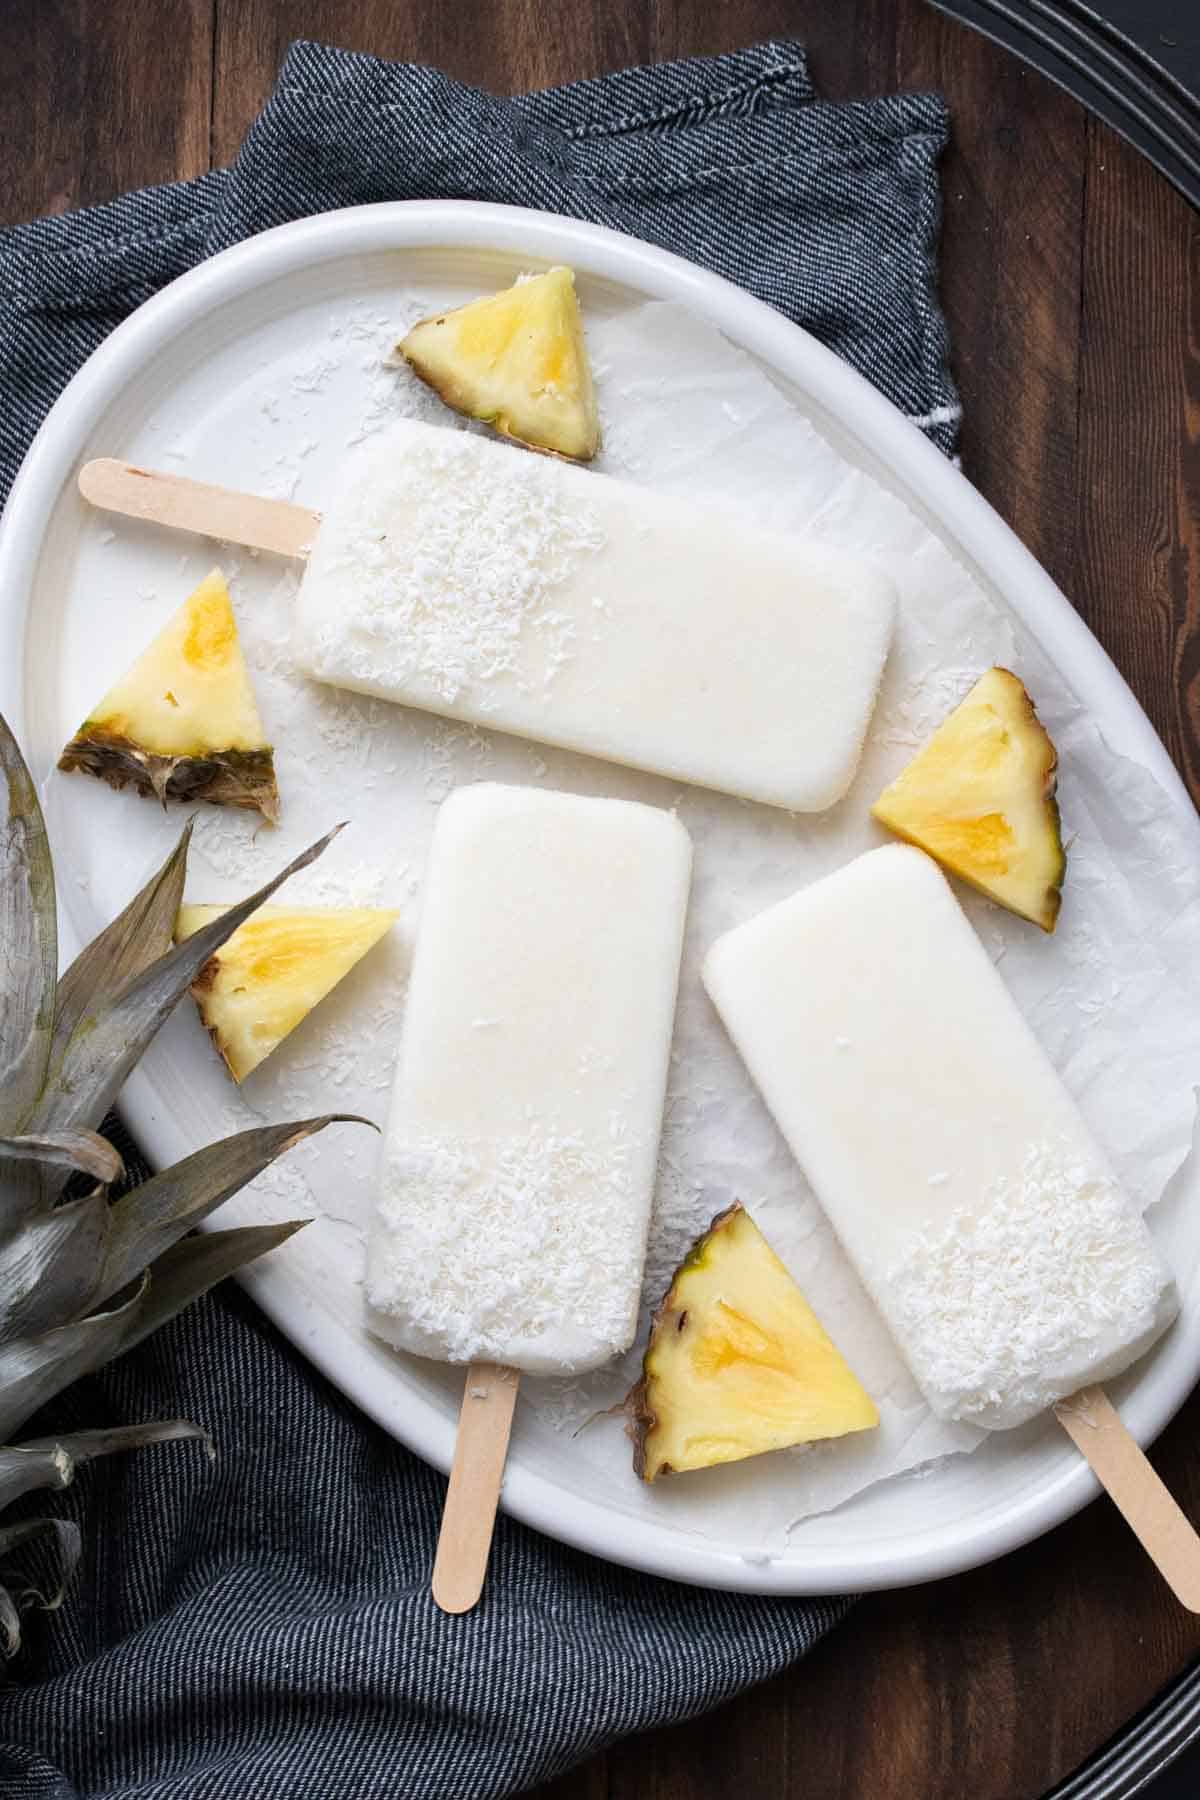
(1108, 72)
(1144, 1749)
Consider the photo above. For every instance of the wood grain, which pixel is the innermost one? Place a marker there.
(182, 504)
(1138, 493)
(1013, 212)
(97, 97)
(1136, 1488)
(505, 45)
(1072, 282)
(473, 1492)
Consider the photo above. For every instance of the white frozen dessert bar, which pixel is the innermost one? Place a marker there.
(953, 1164)
(479, 581)
(519, 1161)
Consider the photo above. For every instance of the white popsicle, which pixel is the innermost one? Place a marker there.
(519, 1162)
(956, 1169)
(472, 579)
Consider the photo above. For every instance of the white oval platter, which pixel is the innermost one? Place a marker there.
(141, 389)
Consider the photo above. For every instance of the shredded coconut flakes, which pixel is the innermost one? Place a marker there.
(1051, 1275)
(478, 1245)
(444, 599)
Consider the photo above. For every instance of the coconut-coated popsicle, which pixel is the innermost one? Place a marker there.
(519, 1160)
(956, 1169)
(476, 580)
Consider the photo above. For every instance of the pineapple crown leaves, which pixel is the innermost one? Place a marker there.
(29, 936)
(84, 1278)
(51, 1463)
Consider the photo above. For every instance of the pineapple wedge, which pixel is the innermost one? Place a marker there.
(273, 970)
(182, 723)
(979, 797)
(737, 1361)
(518, 361)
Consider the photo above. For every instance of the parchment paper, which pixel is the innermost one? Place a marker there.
(1115, 995)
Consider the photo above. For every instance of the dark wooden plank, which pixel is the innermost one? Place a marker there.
(993, 1685)
(999, 1683)
(96, 98)
(508, 46)
(1013, 209)
(1138, 582)
(741, 1749)
(1071, 281)
(1013, 199)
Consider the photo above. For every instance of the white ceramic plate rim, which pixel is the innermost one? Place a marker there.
(961, 515)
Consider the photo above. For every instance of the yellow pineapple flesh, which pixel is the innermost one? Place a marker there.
(517, 360)
(273, 970)
(737, 1363)
(183, 723)
(979, 797)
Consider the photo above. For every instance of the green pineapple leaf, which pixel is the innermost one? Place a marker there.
(28, 933)
(10, 1623)
(137, 937)
(49, 1269)
(110, 1038)
(51, 1462)
(24, 1467)
(149, 1219)
(33, 1369)
(66, 1534)
(84, 1152)
(193, 1265)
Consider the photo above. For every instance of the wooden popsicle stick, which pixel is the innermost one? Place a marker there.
(187, 505)
(1120, 1465)
(471, 1499)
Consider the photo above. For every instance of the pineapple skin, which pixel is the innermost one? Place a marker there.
(1042, 907)
(642, 1419)
(207, 744)
(243, 778)
(536, 411)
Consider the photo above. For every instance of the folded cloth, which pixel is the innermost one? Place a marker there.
(260, 1626)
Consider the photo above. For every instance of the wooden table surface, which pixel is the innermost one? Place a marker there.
(1072, 283)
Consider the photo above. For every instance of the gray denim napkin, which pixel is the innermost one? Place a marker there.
(260, 1627)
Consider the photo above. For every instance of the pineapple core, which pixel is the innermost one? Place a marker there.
(737, 1362)
(980, 798)
(273, 970)
(517, 360)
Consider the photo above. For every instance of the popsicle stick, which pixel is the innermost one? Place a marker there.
(478, 1468)
(1116, 1459)
(187, 505)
